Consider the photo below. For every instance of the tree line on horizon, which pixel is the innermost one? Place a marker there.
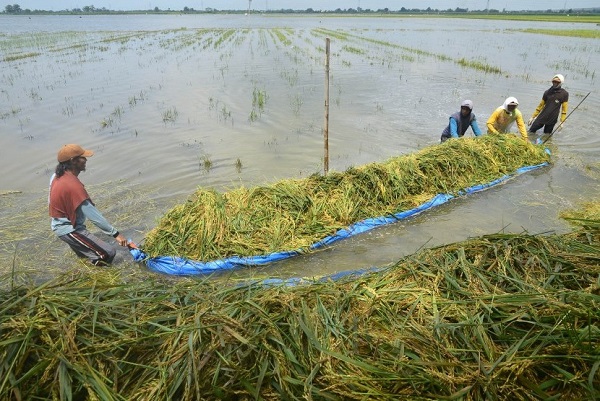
(16, 9)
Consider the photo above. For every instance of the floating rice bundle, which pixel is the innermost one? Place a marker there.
(293, 214)
(503, 317)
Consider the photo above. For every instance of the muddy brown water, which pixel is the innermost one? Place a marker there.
(166, 102)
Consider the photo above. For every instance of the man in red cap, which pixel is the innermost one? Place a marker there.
(70, 205)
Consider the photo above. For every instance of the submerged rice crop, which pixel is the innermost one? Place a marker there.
(579, 33)
(502, 317)
(293, 214)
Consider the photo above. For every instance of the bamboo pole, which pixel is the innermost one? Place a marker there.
(326, 126)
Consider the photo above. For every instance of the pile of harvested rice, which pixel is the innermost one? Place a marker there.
(503, 317)
(293, 214)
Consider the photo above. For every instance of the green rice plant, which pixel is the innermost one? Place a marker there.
(478, 65)
(442, 57)
(225, 113)
(118, 112)
(68, 111)
(206, 163)
(343, 36)
(259, 98)
(253, 115)
(281, 37)
(501, 317)
(355, 50)
(296, 102)
(293, 214)
(107, 122)
(133, 100)
(225, 35)
(15, 57)
(170, 115)
(34, 95)
(291, 76)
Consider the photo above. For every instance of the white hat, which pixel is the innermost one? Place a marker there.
(559, 77)
(467, 103)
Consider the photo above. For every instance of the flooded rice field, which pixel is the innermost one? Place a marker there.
(173, 103)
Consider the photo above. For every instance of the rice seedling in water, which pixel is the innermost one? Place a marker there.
(293, 214)
(259, 98)
(502, 317)
(296, 103)
(225, 113)
(478, 65)
(170, 115)
(281, 37)
(21, 56)
(355, 50)
(68, 111)
(253, 115)
(107, 122)
(118, 112)
(206, 163)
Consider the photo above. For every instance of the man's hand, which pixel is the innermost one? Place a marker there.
(121, 240)
(531, 120)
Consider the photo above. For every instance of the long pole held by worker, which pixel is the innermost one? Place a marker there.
(326, 126)
(556, 129)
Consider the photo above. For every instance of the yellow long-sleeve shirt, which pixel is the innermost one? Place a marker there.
(501, 121)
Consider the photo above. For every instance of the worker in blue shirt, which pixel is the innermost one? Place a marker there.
(461, 121)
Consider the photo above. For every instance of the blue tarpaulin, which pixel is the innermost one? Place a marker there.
(184, 267)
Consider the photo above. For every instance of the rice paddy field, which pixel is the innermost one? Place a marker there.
(492, 296)
(172, 104)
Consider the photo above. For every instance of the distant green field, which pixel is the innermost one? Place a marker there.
(592, 18)
(579, 33)
(579, 18)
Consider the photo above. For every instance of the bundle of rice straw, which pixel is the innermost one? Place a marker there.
(293, 214)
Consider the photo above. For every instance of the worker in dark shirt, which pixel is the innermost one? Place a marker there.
(555, 101)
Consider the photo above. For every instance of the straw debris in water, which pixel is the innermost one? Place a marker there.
(503, 317)
(293, 214)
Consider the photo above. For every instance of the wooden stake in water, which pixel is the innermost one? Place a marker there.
(326, 127)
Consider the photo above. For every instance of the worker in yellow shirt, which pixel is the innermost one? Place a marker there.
(504, 116)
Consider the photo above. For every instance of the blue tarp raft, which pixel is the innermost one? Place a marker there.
(185, 267)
